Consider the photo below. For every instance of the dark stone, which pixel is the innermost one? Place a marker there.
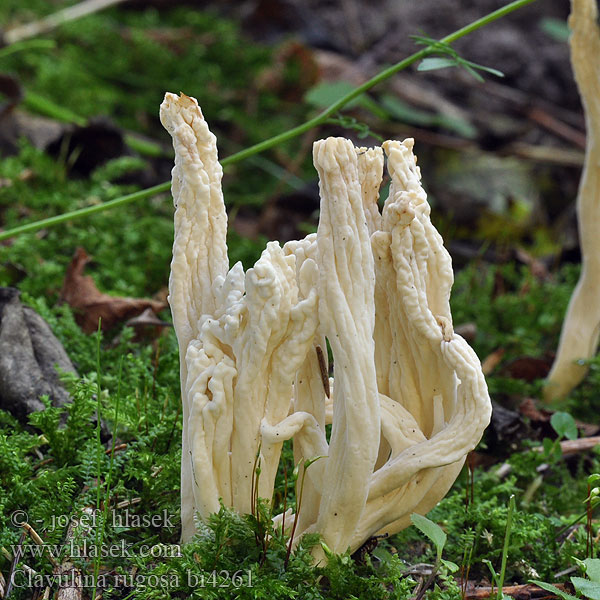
(29, 355)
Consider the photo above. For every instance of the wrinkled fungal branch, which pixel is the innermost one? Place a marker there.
(408, 398)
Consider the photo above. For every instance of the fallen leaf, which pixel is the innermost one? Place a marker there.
(147, 318)
(527, 591)
(147, 326)
(587, 429)
(528, 409)
(528, 368)
(490, 362)
(89, 304)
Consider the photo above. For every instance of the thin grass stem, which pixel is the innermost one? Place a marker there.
(282, 137)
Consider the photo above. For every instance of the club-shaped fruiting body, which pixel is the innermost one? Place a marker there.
(581, 327)
(408, 399)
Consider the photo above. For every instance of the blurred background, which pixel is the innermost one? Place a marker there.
(500, 157)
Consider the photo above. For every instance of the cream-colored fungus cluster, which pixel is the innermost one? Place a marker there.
(408, 399)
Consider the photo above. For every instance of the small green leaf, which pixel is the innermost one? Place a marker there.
(310, 461)
(557, 29)
(564, 425)
(27, 45)
(326, 93)
(556, 452)
(490, 566)
(471, 71)
(594, 497)
(590, 589)
(593, 479)
(432, 530)
(548, 446)
(452, 567)
(436, 62)
(408, 114)
(405, 112)
(328, 551)
(382, 554)
(489, 70)
(435, 45)
(592, 569)
(552, 588)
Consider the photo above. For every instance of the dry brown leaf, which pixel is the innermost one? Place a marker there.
(147, 326)
(528, 409)
(89, 304)
(490, 362)
(147, 318)
(528, 368)
(525, 591)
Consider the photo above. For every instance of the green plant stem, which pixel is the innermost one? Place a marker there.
(286, 135)
(570, 524)
(43, 106)
(296, 516)
(84, 212)
(112, 450)
(509, 516)
(26, 45)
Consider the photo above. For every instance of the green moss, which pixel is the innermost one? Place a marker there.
(513, 310)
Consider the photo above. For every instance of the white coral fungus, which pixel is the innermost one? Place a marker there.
(408, 400)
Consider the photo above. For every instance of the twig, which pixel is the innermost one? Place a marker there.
(127, 503)
(519, 592)
(72, 588)
(557, 127)
(34, 535)
(545, 154)
(71, 13)
(14, 563)
(425, 584)
(45, 462)
(116, 449)
(574, 446)
(522, 101)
